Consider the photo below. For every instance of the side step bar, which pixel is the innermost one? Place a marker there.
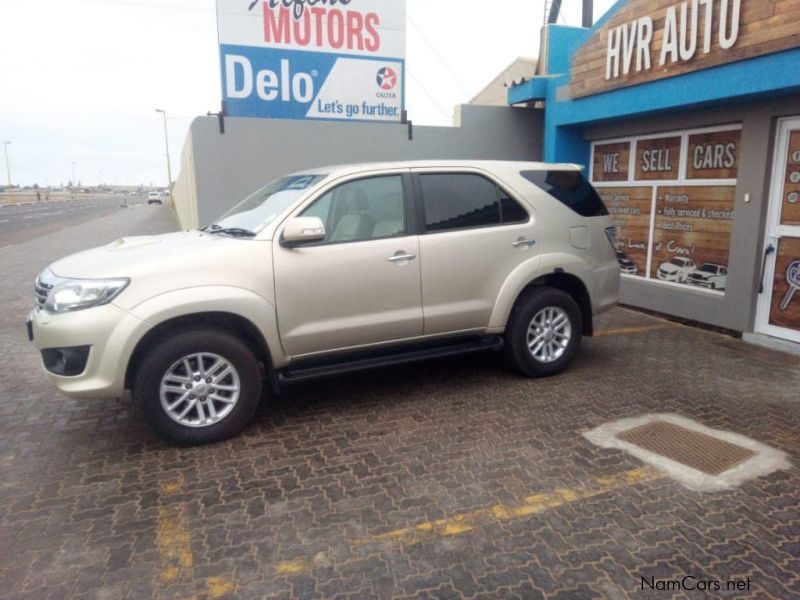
(405, 354)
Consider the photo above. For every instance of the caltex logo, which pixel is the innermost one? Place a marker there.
(387, 79)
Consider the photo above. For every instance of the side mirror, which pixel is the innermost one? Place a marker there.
(303, 230)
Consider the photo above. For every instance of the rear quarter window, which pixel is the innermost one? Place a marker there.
(571, 189)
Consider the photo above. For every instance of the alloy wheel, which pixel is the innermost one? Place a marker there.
(200, 390)
(549, 334)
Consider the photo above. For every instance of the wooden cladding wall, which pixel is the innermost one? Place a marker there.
(766, 26)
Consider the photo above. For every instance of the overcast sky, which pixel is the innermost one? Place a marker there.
(81, 79)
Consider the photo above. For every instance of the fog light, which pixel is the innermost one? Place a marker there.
(66, 361)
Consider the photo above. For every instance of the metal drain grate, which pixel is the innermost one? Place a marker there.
(696, 450)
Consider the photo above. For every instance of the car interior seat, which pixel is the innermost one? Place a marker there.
(355, 223)
(387, 212)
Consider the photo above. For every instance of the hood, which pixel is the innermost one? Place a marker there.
(127, 257)
(163, 263)
(668, 268)
(701, 275)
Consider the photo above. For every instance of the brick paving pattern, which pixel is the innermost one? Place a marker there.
(448, 479)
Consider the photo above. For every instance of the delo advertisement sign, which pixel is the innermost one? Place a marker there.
(313, 59)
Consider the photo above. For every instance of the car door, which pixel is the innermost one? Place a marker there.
(475, 233)
(360, 285)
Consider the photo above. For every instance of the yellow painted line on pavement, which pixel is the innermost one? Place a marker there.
(530, 505)
(292, 567)
(466, 522)
(174, 537)
(640, 329)
(174, 541)
(217, 587)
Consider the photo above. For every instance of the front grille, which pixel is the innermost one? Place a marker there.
(42, 290)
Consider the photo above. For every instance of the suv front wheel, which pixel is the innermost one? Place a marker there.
(544, 332)
(198, 387)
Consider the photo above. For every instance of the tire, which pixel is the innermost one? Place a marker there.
(534, 305)
(213, 347)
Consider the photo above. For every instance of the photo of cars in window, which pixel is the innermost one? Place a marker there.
(709, 276)
(677, 269)
(626, 264)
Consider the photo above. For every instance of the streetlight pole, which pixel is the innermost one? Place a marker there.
(8, 165)
(74, 183)
(166, 144)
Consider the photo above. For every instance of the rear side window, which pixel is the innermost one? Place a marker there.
(571, 189)
(465, 201)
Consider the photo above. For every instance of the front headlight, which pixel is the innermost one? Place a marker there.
(69, 295)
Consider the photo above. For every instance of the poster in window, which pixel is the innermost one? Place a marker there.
(785, 309)
(691, 242)
(658, 158)
(630, 207)
(714, 155)
(611, 162)
(790, 213)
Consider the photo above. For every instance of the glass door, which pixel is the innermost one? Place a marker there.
(779, 301)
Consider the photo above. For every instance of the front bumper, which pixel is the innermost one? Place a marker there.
(703, 283)
(109, 332)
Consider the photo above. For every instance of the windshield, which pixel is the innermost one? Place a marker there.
(708, 268)
(260, 209)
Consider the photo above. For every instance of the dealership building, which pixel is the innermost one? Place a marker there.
(686, 116)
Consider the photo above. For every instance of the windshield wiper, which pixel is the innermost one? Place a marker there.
(232, 231)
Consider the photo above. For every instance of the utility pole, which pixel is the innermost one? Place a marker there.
(166, 144)
(74, 183)
(8, 165)
(588, 13)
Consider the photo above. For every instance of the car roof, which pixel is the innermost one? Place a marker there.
(484, 165)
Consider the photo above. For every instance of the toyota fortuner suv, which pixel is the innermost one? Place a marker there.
(326, 271)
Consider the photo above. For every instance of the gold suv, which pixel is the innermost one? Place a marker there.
(326, 271)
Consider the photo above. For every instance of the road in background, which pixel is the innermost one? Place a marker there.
(25, 221)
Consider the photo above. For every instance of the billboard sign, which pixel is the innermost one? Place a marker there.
(313, 59)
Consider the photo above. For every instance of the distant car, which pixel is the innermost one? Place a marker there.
(626, 264)
(709, 276)
(154, 198)
(676, 269)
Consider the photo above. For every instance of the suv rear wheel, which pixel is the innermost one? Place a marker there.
(544, 332)
(198, 387)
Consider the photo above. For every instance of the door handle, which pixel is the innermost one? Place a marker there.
(401, 256)
(523, 243)
(767, 251)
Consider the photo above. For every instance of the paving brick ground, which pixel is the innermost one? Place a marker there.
(449, 479)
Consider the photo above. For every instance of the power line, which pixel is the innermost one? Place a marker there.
(440, 58)
(429, 95)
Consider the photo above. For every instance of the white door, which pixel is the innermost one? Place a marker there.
(779, 302)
